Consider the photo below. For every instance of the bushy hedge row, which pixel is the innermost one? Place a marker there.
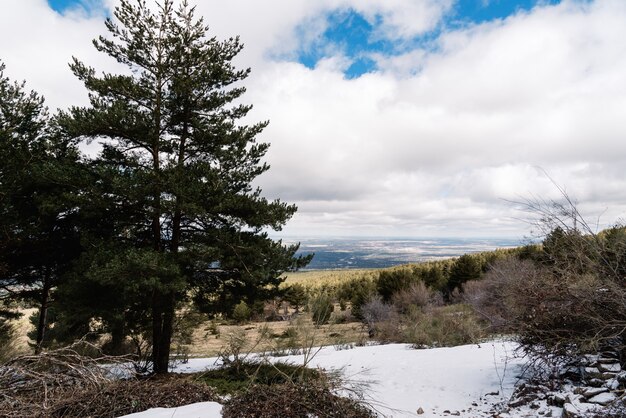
(444, 276)
(565, 299)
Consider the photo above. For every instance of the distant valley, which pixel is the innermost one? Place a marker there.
(348, 253)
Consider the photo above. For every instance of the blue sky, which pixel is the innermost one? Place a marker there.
(355, 37)
(63, 5)
(351, 33)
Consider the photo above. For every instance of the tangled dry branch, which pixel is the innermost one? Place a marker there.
(64, 383)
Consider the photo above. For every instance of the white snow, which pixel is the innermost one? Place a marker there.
(469, 379)
(196, 410)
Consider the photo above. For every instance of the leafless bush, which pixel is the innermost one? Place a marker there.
(444, 326)
(495, 296)
(418, 295)
(381, 320)
(31, 384)
(429, 325)
(64, 383)
(125, 397)
(551, 312)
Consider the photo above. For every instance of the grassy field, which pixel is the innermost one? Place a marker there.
(319, 278)
(277, 337)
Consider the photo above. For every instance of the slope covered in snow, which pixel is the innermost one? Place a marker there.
(466, 381)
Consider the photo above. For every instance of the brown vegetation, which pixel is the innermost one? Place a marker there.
(294, 400)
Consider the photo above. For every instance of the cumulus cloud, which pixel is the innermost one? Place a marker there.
(436, 142)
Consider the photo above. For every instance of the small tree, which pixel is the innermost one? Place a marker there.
(391, 282)
(465, 268)
(297, 296)
(242, 312)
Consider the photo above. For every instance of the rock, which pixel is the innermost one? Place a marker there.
(610, 367)
(592, 372)
(455, 413)
(576, 410)
(595, 382)
(420, 411)
(558, 399)
(591, 392)
(603, 398)
(570, 411)
(621, 376)
(612, 384)
(570, 372)
(609, 354)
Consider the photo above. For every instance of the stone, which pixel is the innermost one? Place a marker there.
(595, 382)
(612, 384)
(609, 354)
(603, 398)
(420, 411)
(610, 367)
(559, 399)
(570, 411)
(591, 392)
(592, 372)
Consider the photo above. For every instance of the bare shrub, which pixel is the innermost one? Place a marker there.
(381, 320)
(416, 295)
(495, 296)
(444, 326)
(125, 397)
(551, 311)
(63, 383)
(32, 384)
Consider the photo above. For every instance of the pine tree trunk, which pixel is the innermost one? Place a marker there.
(43, 312)
(162, 331)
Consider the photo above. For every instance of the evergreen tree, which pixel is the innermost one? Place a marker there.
(177, 166)
(38, 234)
(465, 268)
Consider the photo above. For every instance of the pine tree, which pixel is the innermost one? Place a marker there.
(465, 268)
(177, 166)
(38, 177)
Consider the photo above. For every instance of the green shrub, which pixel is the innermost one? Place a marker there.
(242, 312)
(7, 340)
(358, 292)
(234, 380)
(296, 295)
(444, 327)
(465, 268)
(321, 308)
(393, 281)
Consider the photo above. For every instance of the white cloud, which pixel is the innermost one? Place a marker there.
(429, 145)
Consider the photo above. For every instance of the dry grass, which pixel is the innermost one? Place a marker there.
(274, 336)
(22, 327)
(318, 278)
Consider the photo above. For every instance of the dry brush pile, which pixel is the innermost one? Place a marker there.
(64, 383)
